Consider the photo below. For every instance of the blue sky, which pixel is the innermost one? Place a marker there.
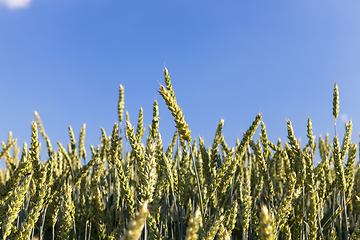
(227, 59)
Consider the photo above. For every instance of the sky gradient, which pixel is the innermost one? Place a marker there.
(230, 59)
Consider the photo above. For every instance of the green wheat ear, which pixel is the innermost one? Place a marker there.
(168, 83)
(34, 152)
(121, 104)
(336, 102)
(43, 134)
(335, 105)
(179, 117)
(82, 150)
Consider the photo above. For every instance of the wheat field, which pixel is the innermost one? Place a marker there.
(253, 190)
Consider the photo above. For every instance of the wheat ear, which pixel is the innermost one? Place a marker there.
(266, 229)
(137, 224)
(194, 224)
(43, 134)
(179, 118)
(121, 103)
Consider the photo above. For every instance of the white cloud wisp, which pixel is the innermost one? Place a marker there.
(15, 3)
(344, 118)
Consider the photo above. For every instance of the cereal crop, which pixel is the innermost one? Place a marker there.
(256, 189)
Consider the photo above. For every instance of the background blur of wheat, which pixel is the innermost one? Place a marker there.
(254, 190)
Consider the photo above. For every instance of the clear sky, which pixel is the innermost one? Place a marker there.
(227, 59)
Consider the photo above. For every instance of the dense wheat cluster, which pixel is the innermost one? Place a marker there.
(253, 190)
